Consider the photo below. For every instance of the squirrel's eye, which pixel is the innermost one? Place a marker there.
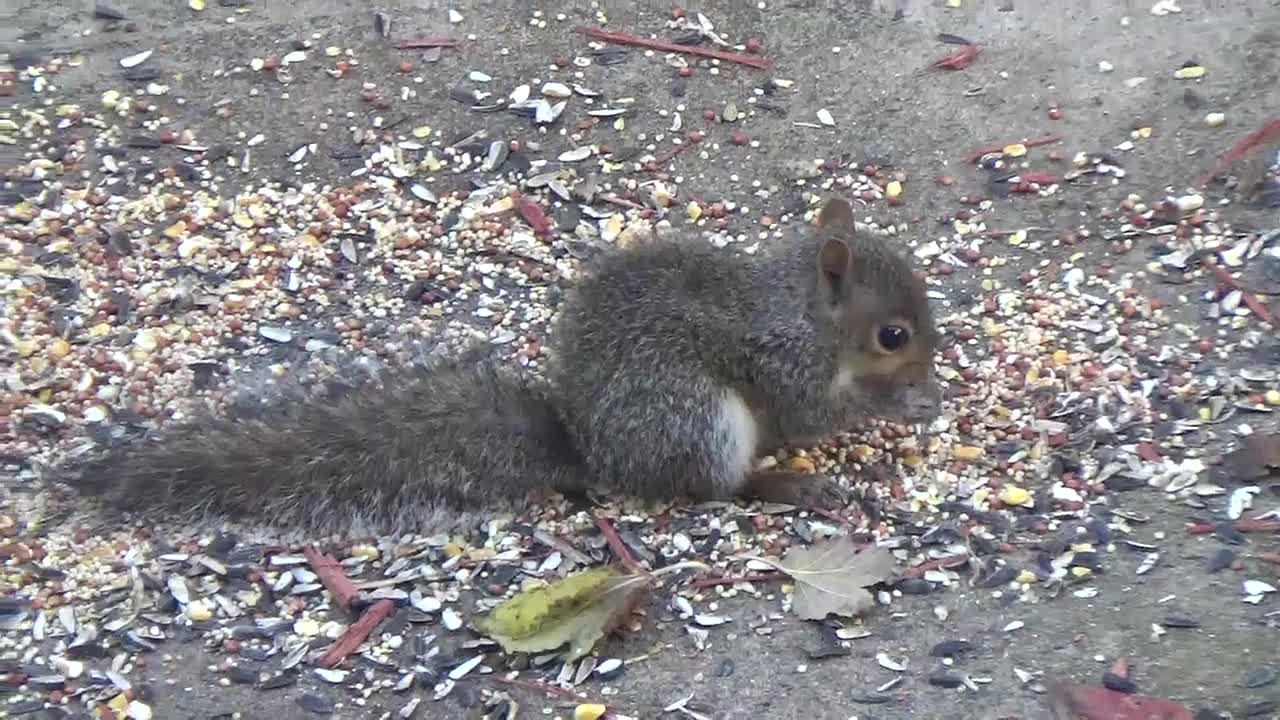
(892, 338)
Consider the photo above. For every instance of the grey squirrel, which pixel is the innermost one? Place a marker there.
(675, 365)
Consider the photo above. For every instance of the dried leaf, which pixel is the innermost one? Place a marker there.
(1257, 457)
(1072, 702)
(831, 577)
(577, 611)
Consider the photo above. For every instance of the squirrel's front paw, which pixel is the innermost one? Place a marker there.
(800, 489)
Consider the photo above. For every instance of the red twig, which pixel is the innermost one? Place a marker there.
(333, 577)
(615, 543)
(428, 42)
(831, 515)
(1269, 131)
(356, 634)
(1244, 526)
(344, 593)
(539, 687)
(620, 38)
(959, 59)
(707, 582)
(1039, 178)
(1036, 142)
(1255, 304)
(938, 564)
(667, 157)
(532, 214)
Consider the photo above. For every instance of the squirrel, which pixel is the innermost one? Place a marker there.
(674, 366)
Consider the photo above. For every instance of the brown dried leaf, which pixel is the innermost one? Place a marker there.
(831, 577)
(1257, 457)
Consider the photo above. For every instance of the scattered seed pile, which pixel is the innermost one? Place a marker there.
(144, 274)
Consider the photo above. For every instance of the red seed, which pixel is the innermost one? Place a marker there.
(946, 180)
(406, 67)
(1055, 113)
(678, 12)
(686, 71)
(755, 45)
(739, 138)
(696, 136)
(709, 115)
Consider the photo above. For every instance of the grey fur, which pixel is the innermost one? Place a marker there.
(649, 344)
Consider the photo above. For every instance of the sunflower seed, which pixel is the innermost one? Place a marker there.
(556, 90)
(465, 668)
(451, 619)
(609, 669)
(136, 59)
(275, 334)
(422, 193)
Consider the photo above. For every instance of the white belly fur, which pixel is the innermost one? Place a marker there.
(740, 434)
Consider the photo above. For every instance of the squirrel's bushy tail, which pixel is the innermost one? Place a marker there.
(409, 452)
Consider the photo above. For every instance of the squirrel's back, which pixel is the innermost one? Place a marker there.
(412, 450)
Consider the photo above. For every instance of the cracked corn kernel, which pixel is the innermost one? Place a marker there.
(801, 464)
(1014, 495)
(588, 711)
(967, 452)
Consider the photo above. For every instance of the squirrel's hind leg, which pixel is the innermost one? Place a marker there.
(686, 437)
(794, 488)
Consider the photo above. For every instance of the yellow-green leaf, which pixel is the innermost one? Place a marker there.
(576, 611)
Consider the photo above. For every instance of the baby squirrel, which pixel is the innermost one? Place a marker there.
(676, 364)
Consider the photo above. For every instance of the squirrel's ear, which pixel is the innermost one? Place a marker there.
(837, 213)
(835, 263)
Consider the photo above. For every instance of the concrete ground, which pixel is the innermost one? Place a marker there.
(888, 111)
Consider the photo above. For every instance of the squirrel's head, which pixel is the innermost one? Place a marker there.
(874, 308)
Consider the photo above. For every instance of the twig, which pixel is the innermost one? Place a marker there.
(1037, 142)
(656, 164)
(333, 576)
(1244, 526)
(701, 583)
(615, 543)
(539, 687)
(344, 593)
(1263, 134)
(937, 564)
(957, 60)
(620, 38)
(1250, 299)
(356, 634)
(622, 202)
(427, 42)
(831, 515)
(561, 545)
